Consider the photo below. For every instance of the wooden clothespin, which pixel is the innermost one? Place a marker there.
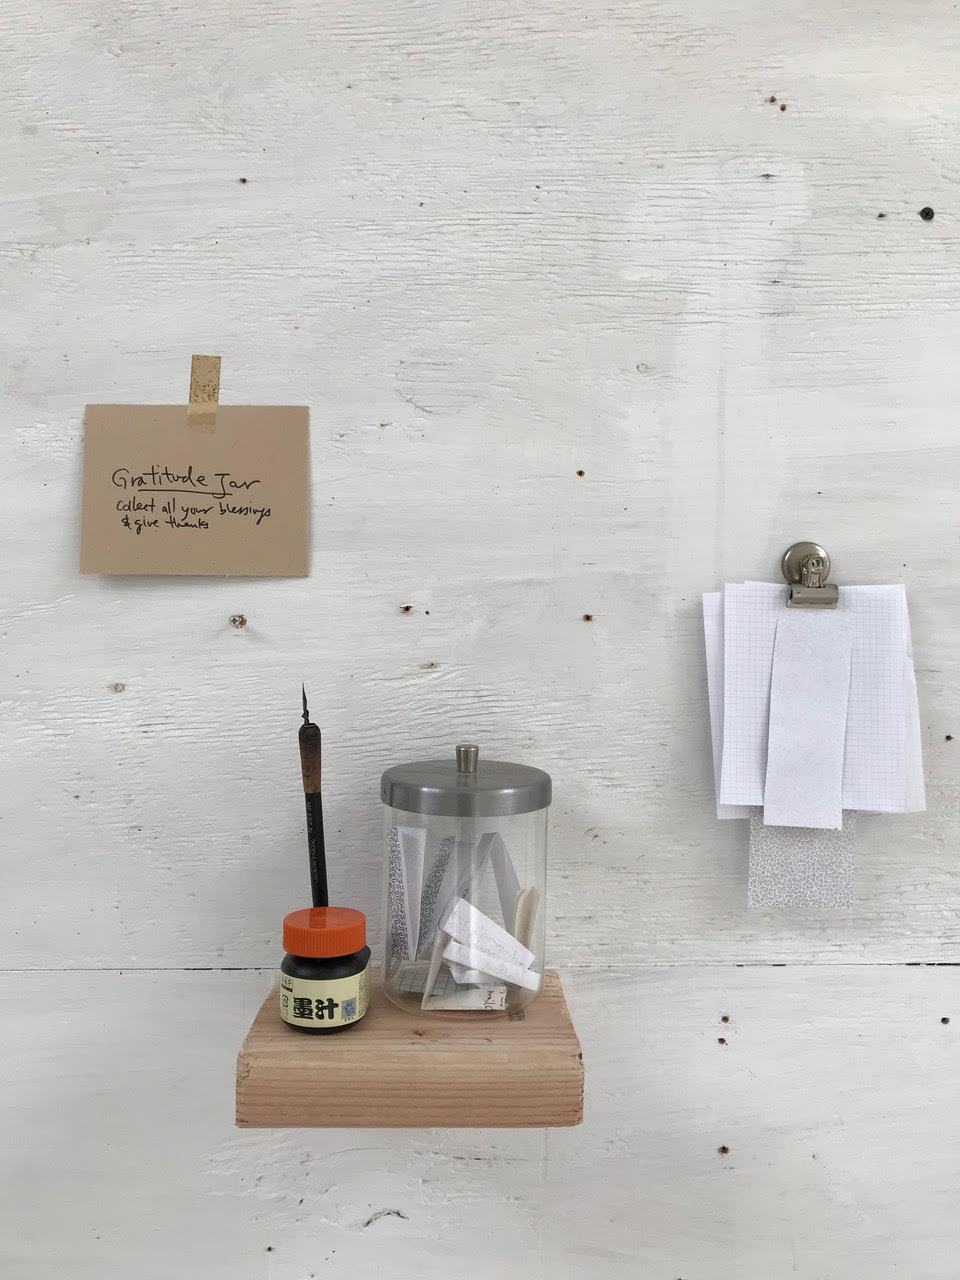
(204, 393)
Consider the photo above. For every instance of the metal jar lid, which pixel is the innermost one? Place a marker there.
(465, 787)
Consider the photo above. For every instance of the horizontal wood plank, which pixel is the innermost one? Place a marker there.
(517, 246)
(492, 248)
(397, 1070)
(836, 1094)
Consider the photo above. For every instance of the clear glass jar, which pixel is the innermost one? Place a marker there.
(465, 867)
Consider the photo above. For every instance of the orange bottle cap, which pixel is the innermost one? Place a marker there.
(321, 932)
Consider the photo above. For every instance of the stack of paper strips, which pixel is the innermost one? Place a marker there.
(452, 954)
(478, 949)
(813, 713)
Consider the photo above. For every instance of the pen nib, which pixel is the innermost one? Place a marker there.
(306, 713)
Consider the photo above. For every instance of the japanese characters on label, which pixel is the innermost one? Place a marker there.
(309, 1002)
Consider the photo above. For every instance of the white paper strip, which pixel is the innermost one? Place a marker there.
(713, 643)
(490, 998)
(436, 959)
(508, 886)
(492, 966)
(875, 768)
(750, 613)
(473, 929)
(461, 866)
(525, 915)
(464, 975)
(916, 798)
(883, 767)
(808, 719)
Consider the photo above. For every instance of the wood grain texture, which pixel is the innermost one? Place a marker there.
(837, 1096)
(395, 1070)
(492, 248)
(490, 251)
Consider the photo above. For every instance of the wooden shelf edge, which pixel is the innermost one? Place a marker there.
(399, 1070)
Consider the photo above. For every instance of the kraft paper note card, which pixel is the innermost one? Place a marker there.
(160, 497)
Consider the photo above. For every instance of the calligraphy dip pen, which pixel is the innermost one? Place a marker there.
(310, 767)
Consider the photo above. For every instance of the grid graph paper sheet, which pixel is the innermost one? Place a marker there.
(808, 719)
(411, 978)
(882, 765)
(882, 770)
(750, 612)
(713, 644)
(797, 869)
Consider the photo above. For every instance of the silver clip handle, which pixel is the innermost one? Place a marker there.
(806, 567)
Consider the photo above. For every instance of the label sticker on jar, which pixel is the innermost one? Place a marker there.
(309, 1002)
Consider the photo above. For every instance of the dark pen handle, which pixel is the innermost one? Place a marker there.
(315, 850)
(310, 767)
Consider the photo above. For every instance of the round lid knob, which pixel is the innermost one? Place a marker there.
(467, 756)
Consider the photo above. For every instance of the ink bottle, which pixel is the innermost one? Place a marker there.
(324, 976)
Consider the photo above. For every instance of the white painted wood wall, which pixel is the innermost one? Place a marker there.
(491, 246)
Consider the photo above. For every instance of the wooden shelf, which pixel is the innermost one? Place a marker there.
(397, 1070)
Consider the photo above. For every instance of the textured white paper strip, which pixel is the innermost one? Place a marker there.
(808, 719)
(405, 855)
(795, 868)
(430, 899)
(713, 643)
